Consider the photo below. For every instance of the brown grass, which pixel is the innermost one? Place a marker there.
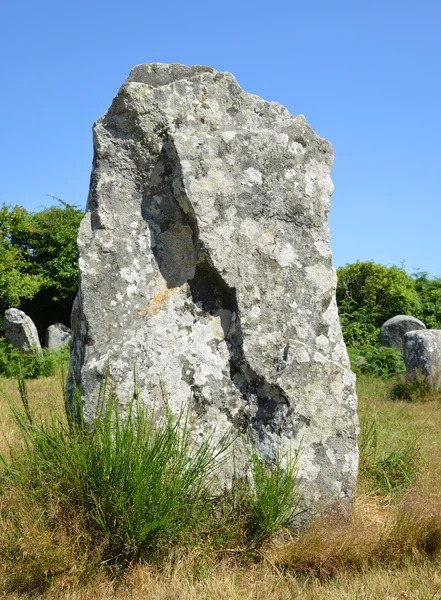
(389, 549)
(45, 397)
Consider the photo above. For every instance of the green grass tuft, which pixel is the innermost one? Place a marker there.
(137, 485)
(390, 468)
(274, 499)
(140, 484)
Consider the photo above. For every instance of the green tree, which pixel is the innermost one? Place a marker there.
(39, 259)
(429, 292)
(368, 294)
(17, 283)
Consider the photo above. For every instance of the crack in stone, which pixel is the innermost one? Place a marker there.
(182, 258)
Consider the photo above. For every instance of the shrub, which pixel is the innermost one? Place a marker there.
(429, 291)
(376, 360)
(14, 363)
(368, 294)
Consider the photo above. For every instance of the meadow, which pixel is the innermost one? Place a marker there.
(389, 549)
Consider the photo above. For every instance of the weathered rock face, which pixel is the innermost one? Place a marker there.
(20, 331)
(57, 336)
(205, 262)
(422, 352)
(393, 330)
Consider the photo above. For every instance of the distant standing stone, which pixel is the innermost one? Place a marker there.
(393, 330)
(20, 331)
(422, 351)
(57, 336)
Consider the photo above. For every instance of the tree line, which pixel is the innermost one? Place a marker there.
(368, 294)
(39, 274)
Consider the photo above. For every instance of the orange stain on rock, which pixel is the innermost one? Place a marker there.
(160, 299)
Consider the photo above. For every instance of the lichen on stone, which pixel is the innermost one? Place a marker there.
(205, 263)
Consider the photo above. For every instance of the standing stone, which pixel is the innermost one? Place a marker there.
(205, 263)
(20, 331)
(57, 336)
(422, 352)
(393, 330)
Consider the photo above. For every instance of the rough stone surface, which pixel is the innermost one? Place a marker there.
(20, 331)
(57, 336)
(422, 352)
(393, 330)
(205, 262)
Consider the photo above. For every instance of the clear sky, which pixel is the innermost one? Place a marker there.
(367, 76)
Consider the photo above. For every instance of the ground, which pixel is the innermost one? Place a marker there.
(390, 549)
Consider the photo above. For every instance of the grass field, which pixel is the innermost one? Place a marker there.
(389, 549)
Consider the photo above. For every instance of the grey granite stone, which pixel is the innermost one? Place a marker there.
(57, 336)
(20, 331)
(393, 330)
(422, 352)
(205, 263)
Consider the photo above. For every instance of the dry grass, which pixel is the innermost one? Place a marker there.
(45, 397)
(226, 580)
(420, 421)
(389, 549)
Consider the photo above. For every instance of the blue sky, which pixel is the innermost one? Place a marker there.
(367, 76)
